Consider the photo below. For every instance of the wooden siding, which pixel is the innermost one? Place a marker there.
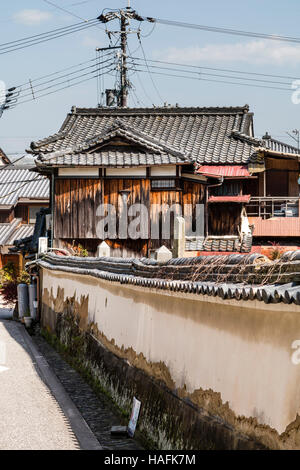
(76, 202)
(224, 219)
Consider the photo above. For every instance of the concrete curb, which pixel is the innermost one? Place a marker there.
(82, 431)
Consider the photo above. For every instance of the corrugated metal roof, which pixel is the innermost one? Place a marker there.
(237, 171)
(245, 198)
(14, 185)
(23, 231)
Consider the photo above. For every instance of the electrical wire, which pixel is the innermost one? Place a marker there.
(11, 163)
(17, 189)
(64, 88)
(44, 38)
(215, 75)
(216, 81)
(33, 81)
(47, 33)
(19, 181)
(153, 83)
(64, 10)
(214, 29)
(141, 83)
(68, 76)
(216, 69)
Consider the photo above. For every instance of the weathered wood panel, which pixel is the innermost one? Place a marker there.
(224, 219)
(76, 202)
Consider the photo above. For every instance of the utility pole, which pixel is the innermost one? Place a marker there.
(296, 133)
(124, 16)
(123, 98)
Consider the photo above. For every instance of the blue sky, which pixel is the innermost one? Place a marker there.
(274, 110)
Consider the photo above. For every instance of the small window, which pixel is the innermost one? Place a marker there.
(33, 210)
(163, 184)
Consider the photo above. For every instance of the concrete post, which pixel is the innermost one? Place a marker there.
(103, 250)
(179, 238)
(162, 255)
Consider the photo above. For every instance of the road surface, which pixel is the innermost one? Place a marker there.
(31, 419)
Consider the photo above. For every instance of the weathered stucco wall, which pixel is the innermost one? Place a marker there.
(232, 358)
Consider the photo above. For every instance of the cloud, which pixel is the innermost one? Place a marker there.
(90, 41)
(255, 52)
(31, 17)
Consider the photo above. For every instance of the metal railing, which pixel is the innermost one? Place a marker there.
(267, 207)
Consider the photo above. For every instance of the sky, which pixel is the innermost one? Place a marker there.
(274, 110)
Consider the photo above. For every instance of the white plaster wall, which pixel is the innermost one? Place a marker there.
(240, 349)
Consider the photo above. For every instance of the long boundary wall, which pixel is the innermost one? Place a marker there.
(229, 362)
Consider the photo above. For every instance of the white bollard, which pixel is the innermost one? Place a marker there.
(103, 250)
(162, 255)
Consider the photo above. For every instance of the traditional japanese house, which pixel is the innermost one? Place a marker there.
(22, 195)
(187, 156)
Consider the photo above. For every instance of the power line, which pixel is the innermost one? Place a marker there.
(63, 9)
(214, 29)
(17, 189)
(141, 83)
(216, 81)
(61, 70)
(69, 75)
(153, 83)
(65, 87)
(57, 30)
(216, 69)
(215, 75)
(23, 44)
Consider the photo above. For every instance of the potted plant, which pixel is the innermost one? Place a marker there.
(27, 319)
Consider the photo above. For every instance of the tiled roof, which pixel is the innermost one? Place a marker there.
(202, 135)
(14, 185)
(236, 276)
(23, 231)
(6, 230)
(14, 230)
(113, 158)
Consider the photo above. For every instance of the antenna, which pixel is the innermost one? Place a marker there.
(128, 6)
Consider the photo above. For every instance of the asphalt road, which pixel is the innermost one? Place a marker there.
(31, 418)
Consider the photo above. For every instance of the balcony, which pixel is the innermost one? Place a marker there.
(274, 216)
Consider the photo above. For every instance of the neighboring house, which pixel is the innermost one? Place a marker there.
(22, 195)
(187, 156)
